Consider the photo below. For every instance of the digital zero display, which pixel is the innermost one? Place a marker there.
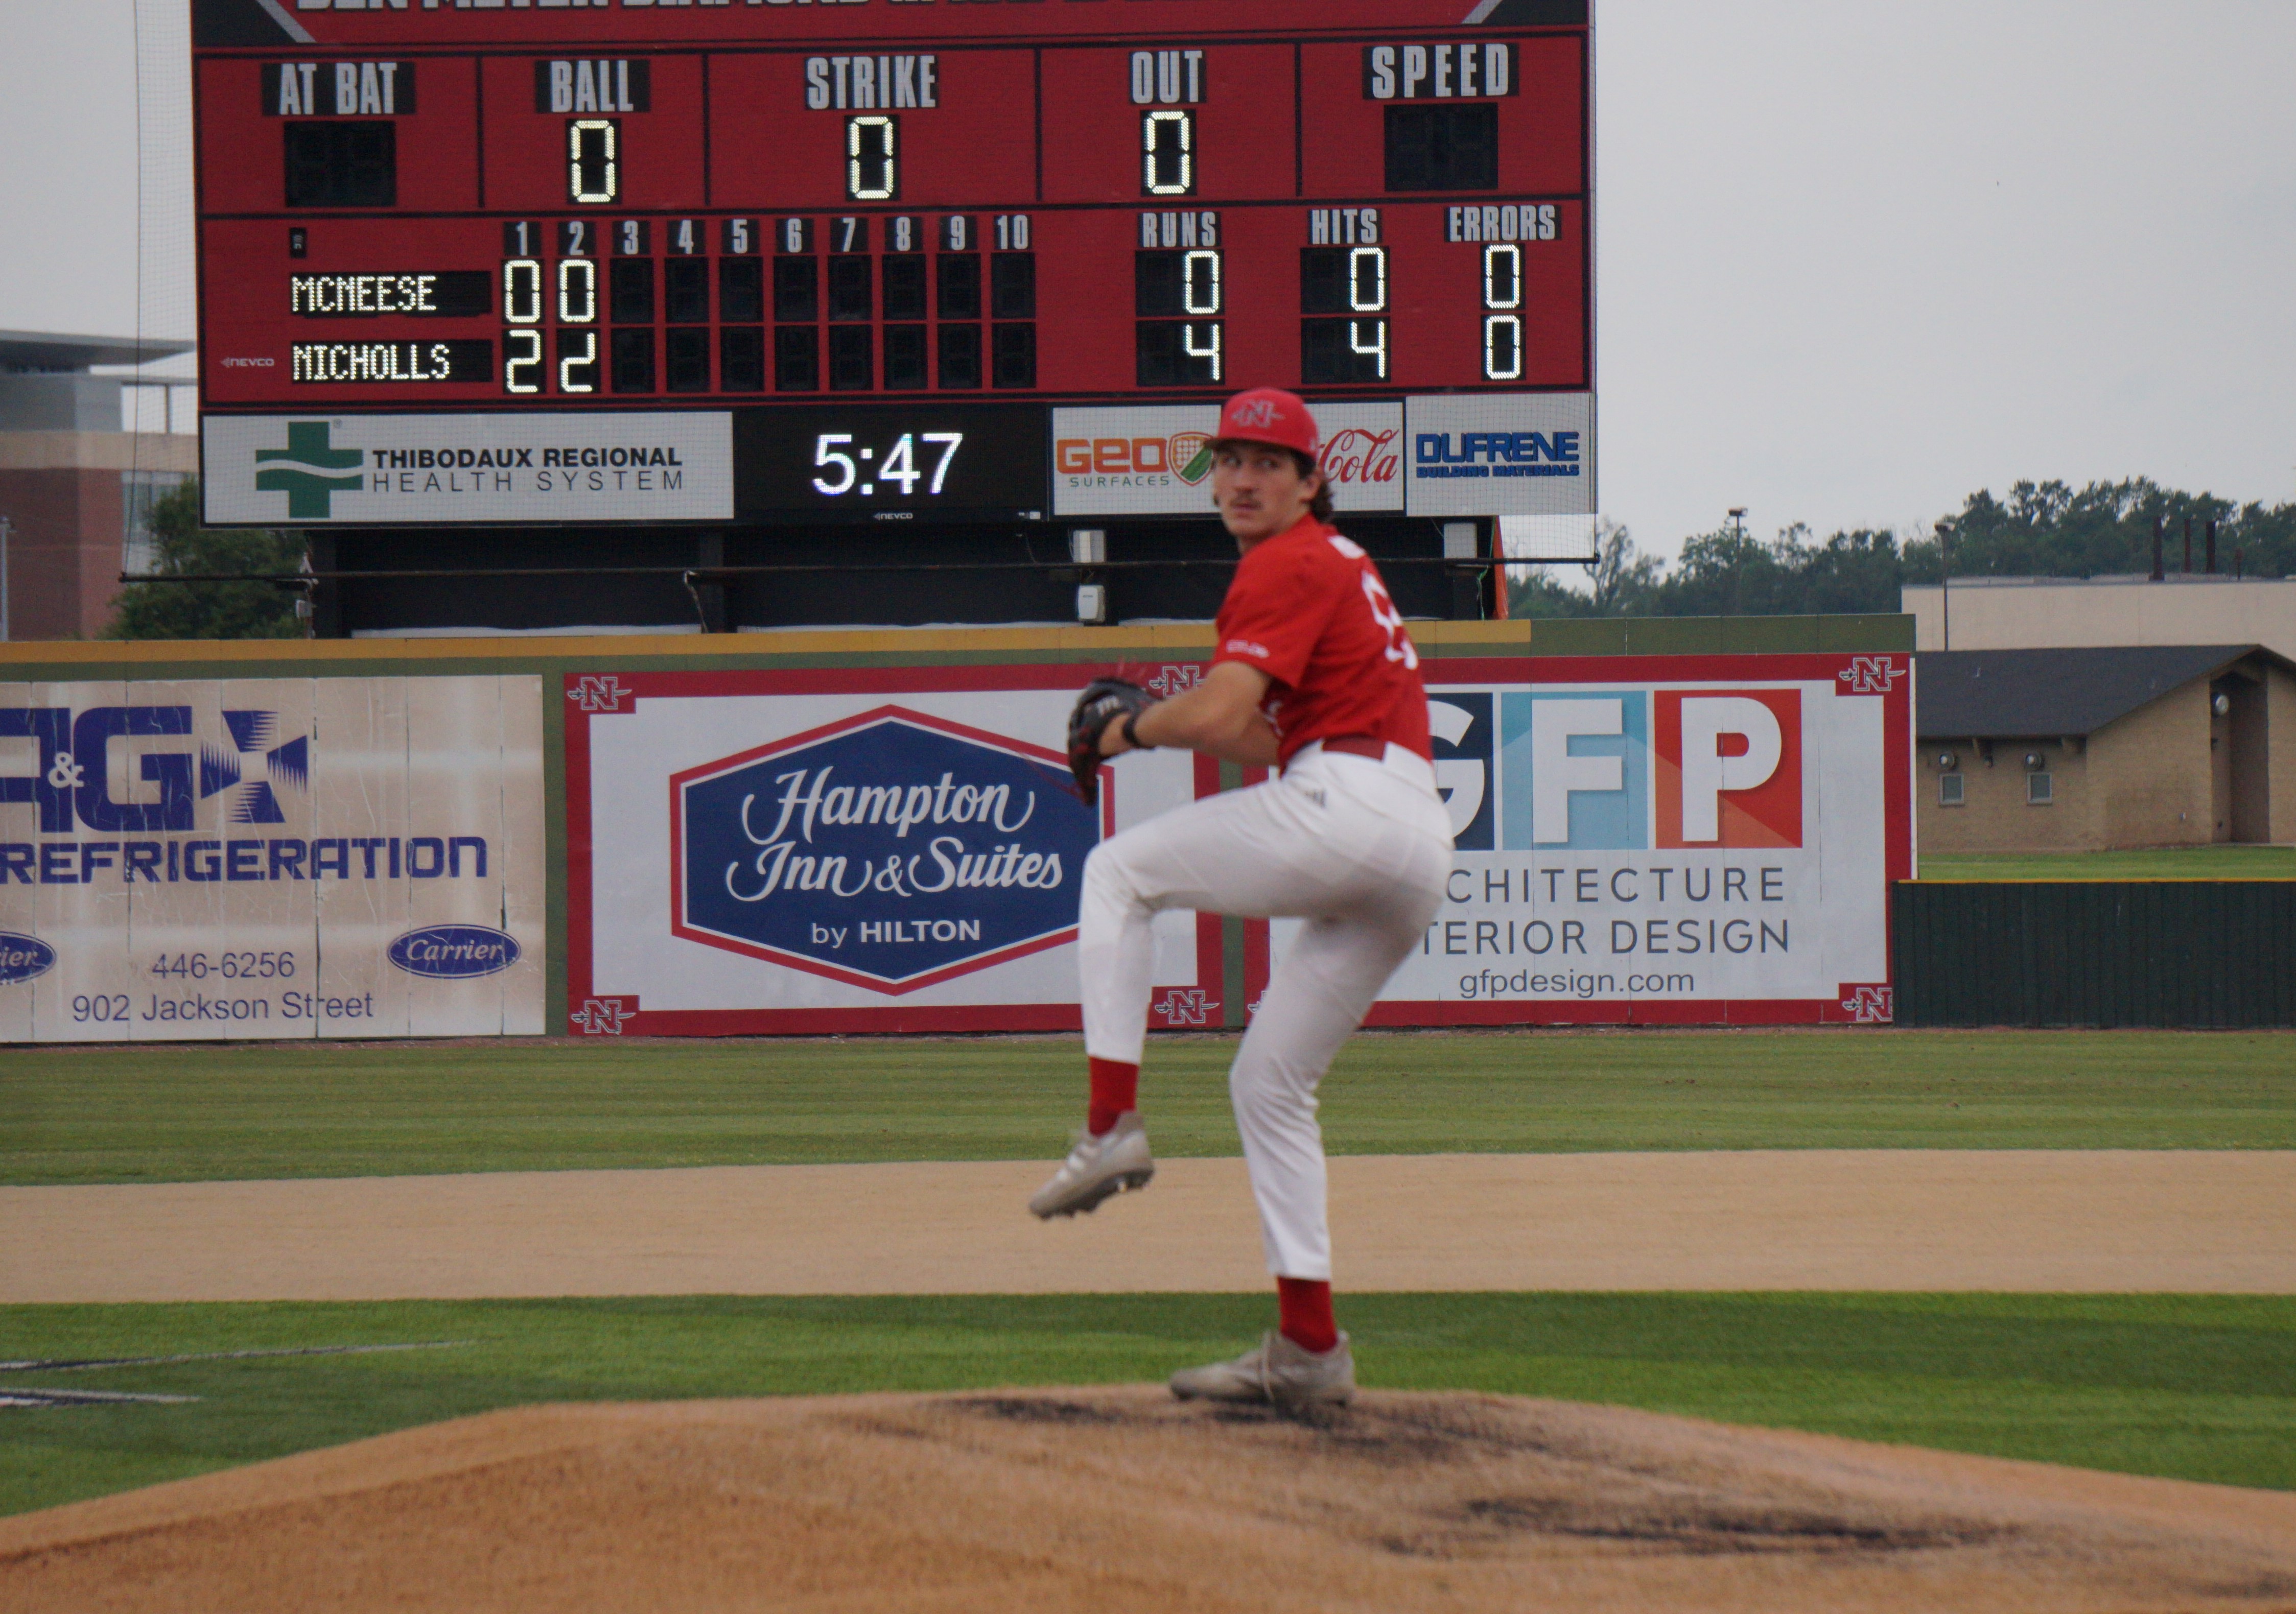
(888, 240)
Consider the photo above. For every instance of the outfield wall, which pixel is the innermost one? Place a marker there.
(1685, 822)
(2191, 954)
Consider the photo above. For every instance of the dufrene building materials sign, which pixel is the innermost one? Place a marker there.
(1680, 839)
(271, 857)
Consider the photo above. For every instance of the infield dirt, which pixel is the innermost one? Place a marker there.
(2121, 1221)
(1121, 1500)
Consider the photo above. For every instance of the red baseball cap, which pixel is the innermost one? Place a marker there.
(1269, 414)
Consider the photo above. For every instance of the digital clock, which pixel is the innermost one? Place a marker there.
(891, 462)
(974, 223)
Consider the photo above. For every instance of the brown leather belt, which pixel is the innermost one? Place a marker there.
(1358, 745)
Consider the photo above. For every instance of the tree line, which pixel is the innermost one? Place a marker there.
(2042, 529)
(183, 548)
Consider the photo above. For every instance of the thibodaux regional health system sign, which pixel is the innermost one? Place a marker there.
(365, 469)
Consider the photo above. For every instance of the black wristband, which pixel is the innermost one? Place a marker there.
(1132, 733)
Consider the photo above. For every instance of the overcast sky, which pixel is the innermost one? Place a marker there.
(1855, 259)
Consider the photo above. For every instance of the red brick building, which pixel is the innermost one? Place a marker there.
(76, 489)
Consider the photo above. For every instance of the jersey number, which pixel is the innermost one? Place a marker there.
(1399, 647)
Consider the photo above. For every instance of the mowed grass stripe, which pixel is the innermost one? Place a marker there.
(2197, 1388)
(202, 1112)
(2151, 863)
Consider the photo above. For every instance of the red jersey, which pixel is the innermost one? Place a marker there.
(1308, 610)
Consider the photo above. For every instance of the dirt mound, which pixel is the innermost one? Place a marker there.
(1121, 1499)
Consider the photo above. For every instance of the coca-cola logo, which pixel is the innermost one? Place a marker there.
(1357, 458)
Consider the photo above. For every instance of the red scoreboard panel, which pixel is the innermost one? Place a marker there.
(512, 261)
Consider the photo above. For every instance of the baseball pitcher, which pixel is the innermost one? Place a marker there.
(1313, 674)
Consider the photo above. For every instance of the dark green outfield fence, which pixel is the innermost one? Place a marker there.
(2216, 953)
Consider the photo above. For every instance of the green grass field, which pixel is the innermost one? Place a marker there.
(191, 1112)
(2156, 863)
(2195, 1388)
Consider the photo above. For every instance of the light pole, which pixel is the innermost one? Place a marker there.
(1944, 579)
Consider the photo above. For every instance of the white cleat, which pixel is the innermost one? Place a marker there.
(1275, 1372)
(1116, 1160)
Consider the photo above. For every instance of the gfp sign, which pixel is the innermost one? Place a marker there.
(890, 850)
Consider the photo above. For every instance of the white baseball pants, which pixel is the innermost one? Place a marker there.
(1359, 849)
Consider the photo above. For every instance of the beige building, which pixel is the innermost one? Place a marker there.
(76, 491)
(2083, 749)
(2027, 613)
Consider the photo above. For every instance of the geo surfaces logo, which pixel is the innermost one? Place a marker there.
(1185, 454)
(1153, 459)
(890, 850)
(309, 470)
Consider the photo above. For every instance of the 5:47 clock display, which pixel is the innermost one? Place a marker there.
(875, 462)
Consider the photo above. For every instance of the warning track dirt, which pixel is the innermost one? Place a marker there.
(2009, 1220)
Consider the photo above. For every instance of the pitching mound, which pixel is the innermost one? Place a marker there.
(1120, 1499)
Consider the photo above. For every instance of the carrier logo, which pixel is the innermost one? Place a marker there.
(310, 471)
(890, 850)
(454, 952)
(23, 958)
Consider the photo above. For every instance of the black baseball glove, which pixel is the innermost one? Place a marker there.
(1104, 700)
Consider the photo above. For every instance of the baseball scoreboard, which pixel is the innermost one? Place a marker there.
(805, 261)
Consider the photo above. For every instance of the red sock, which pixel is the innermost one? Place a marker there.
(1115, 1089)
(1304, 1306)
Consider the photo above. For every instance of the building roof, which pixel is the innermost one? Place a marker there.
(48, 351)
(1997, 693)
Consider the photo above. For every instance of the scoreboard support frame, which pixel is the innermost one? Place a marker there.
(745, 296)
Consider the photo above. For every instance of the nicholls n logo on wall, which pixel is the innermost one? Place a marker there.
(890, 850)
